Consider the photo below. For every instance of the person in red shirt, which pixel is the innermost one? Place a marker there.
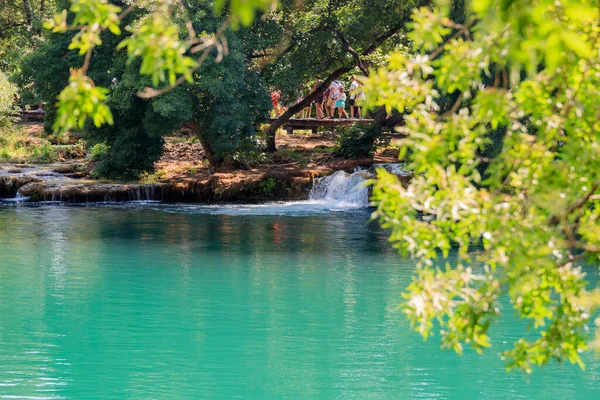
(275, 98)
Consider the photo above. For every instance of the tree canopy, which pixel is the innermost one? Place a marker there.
(208, 58)
(21, 28)
(524, 220)
(99, 91)
(328, 39)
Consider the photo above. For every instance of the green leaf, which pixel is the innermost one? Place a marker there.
(553, 51)
(481, 6)
(577, 43)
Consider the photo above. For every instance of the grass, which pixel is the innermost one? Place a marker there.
(154, 177)
(184, 139)
(18, 147)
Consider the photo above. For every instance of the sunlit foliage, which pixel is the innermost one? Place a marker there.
(519, 216)
(156, 41)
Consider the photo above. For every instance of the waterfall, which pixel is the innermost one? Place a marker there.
(19, 198)
(343, 188)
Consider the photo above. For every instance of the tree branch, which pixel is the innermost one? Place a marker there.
(464, 29)
(347, 47)
(584, 246)
(149, 92)
(260, 55)
(581, 202)
(555, 220)
(454, 108)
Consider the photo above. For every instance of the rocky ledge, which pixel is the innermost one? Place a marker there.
(260, 185)
(279, 184)
(10, 185)
(217, 188)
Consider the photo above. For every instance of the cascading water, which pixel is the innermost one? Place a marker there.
(19, 198)
(343, 188)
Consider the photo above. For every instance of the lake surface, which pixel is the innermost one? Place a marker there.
(269, 302)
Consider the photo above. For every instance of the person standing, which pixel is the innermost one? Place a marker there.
(340, 103)
(307, 111)
(325, 103)
(319, 100)
(334, 90)
(275, 99)
(357, 98)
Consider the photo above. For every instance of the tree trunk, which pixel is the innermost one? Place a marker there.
(210, 155)
(28, 13)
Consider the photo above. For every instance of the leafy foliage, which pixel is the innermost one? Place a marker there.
(314, 40)
(359, 142)
(7, 90)
(98, 151)
(155, 40)
(224, 98)
(21, 29)
(79, 101)
(531, 71)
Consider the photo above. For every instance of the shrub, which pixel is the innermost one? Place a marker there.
(266, 187)
(98, 151)
(15, 146)
(249, 153)
(45, 153)
(359, 142)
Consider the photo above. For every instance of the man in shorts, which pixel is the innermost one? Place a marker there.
(357, 98)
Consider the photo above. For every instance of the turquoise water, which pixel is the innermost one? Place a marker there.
(170, 302)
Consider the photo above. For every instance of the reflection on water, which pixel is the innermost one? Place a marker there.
(152, 301)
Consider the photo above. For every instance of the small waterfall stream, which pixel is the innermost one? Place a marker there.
(343, 188)
(19, 198)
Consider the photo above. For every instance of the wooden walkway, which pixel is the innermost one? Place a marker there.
(313, 124)
(30, 115)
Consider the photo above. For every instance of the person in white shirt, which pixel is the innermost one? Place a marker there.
(334, 89)
(357, 98)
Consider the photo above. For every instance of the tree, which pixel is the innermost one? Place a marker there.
(329, 38)
(21, 28)
(347, 33)
(220, 99)
(523, 219)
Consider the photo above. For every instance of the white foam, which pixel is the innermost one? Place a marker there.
(342, 188)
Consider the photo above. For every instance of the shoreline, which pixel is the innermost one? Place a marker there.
(233, 187)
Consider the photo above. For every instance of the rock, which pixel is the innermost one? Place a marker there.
(250, 186)
(66, 169)
(15, 171)
(24, 166)
(77, 175)
(278, 184)
(9, 185)
(44, 173)
(90, 193)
